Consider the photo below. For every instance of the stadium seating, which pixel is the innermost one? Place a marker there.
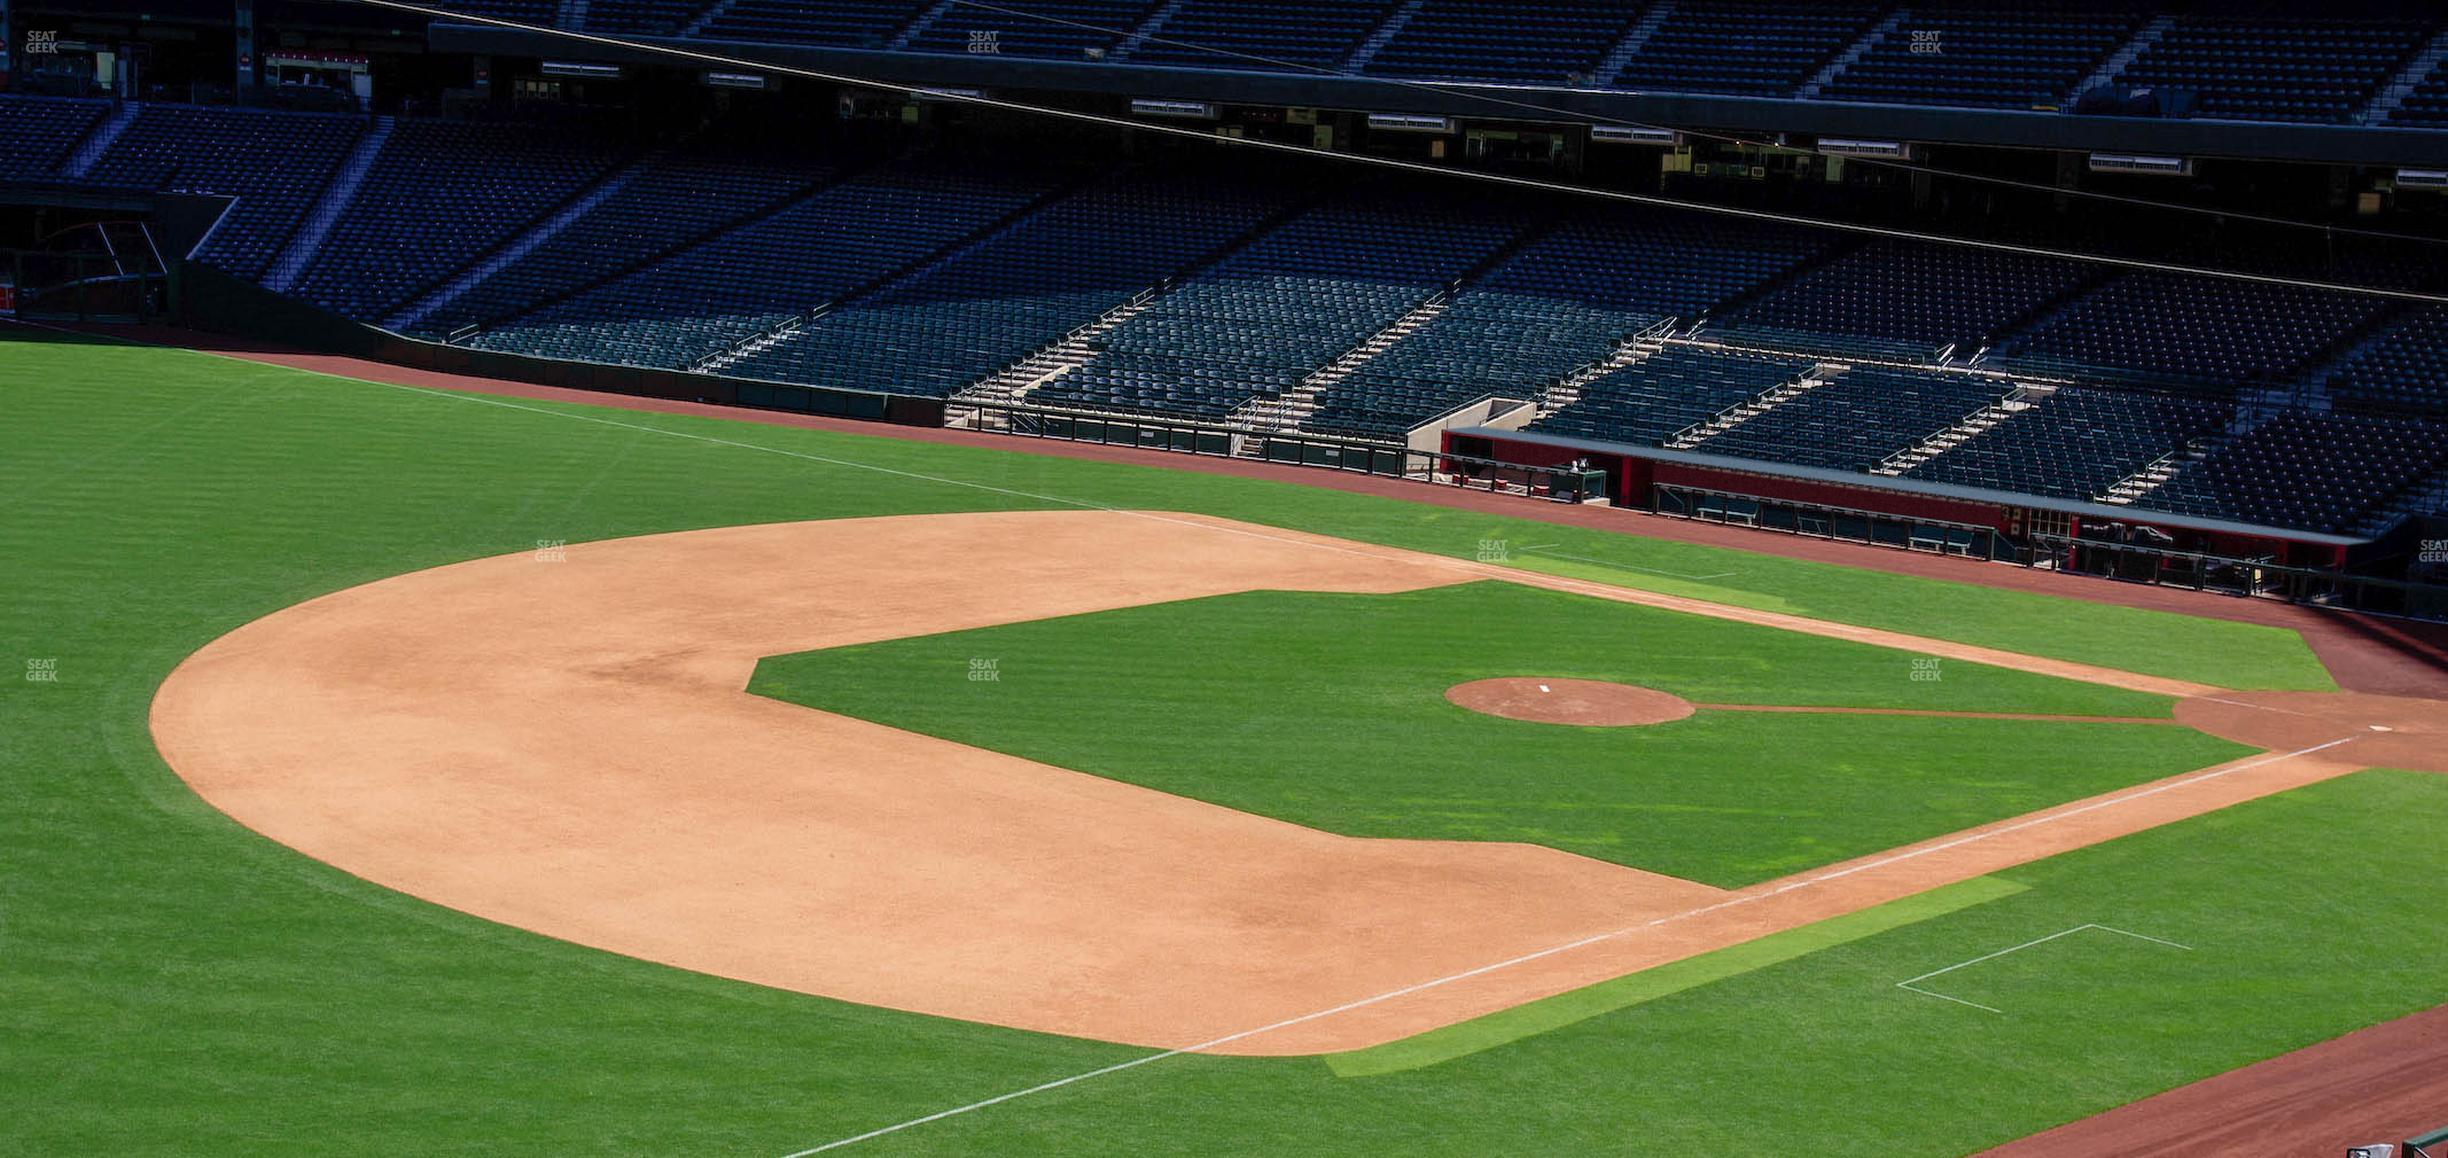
(2078, 442)
(1313, 34)
(542, 12)
(668, 201)
(990, 304)
(1066, 29)
(441, 194)
(36, 133)
(711, 297)
(2314, 70)
(1678, 387)
(1525, 41)
(1744, 47)
(835, 23)
(641, 17)
(1909, 297)
(1261, 320)
(2182, 328)
(2315, 471)
(274, 164)
(1988, 56)
(2401, 369)
(2426, 106)
(1856, 420)
(724, 248)
(1562, 302)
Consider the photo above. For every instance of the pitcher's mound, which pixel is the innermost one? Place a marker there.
(1552, 701)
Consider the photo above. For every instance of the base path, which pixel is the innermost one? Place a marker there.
(568, 747)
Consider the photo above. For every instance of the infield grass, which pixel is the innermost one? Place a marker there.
(173, 984)
(1328, 710)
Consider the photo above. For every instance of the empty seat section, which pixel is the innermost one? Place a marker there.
(2402, 369)
(2427, 105)
(642, 17)
(1529, 41)
(1049, 28)
(1563, 302)
(1029, 285)
(2278, 70)
(1908, 298)
(1987, 56)
(711, 297)
(37, 133)
(540, 12)
(1860, 418)
(1319, 34)
(669, 201)
(1744, 47)
(441, 194)
(836, 23)
(2184, 328)
(1677, 387)
(2077, 443)
(275, 165)
(2314, 472)
(1261, 320)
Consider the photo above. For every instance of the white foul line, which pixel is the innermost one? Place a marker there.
(1747, 898)
(1744, 899)
(1913, 983)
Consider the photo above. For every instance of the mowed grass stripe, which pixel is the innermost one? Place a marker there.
(1469, 1037)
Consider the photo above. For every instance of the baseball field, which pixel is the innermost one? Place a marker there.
(396, 769)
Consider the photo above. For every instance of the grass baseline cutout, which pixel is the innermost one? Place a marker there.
(1551, 1013)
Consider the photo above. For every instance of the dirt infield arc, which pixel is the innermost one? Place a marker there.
(568, 747)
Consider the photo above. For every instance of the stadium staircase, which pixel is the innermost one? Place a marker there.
(522, 245)
(2403, 84)
(1566, 390)
(2021, 400)
(918, 24)
(1147, 28)
(337, 197)
(1855, 51)
(782, 332)
(89, 152)
(2124, 56)
(705, 19)
(1384, 35)
(684, 245)
(2164, 469)
(1013, 384)
(2425, 496)
(1285, 412)
(1765, 401)
(572, 14)
(1630, 46)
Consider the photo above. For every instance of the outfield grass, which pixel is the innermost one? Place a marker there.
(172, 984)
(1328, 710)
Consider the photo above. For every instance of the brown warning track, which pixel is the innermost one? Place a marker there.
(568, 747)
(2383, 1084)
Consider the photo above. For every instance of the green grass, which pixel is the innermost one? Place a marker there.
(1438, 1046)
(1328, 710)
(173, 984)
